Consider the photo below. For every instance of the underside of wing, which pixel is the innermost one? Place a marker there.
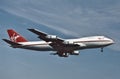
(62, 47)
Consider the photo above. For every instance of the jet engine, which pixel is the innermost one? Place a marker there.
(75, 53)
(68, 42)
(51, 37)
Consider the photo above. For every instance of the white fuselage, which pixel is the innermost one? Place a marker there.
(86, 42)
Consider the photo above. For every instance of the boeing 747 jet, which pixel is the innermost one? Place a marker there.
(63, 47)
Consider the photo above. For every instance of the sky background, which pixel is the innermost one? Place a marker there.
(66, 19)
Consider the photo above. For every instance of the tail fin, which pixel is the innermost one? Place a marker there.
(15, 37)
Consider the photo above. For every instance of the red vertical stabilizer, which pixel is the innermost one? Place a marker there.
(15, 37)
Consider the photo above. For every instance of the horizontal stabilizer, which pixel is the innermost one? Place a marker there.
(10, 42)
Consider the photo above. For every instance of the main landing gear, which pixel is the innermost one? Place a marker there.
(60, 54)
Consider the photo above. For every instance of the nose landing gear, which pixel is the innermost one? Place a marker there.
(101, 49)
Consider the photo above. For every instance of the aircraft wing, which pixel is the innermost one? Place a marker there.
(55, 41)
(46, 37)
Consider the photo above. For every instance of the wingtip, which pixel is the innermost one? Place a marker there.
(31, 29)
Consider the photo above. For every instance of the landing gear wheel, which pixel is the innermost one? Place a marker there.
(66, 54)
(101, 49)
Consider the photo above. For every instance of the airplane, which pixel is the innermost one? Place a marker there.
(63, 47)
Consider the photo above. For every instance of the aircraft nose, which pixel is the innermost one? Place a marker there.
(111, 41)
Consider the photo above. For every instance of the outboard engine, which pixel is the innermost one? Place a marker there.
(75, 53)
(51, 37)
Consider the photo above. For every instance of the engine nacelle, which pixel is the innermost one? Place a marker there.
(51, 37)
(68, 42)
(75, 53)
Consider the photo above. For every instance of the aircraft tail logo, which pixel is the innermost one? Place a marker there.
(15, 37)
